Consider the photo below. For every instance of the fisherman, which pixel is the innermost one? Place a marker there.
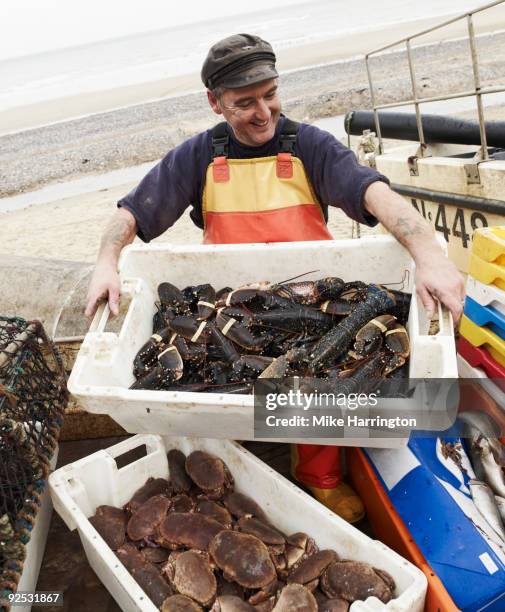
(260, 177)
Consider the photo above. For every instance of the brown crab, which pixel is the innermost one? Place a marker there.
(308, 571)
(243, 559)
(214, 510)
(224, 587)
(231, 603)
(110, 523)
(180, 603)
(265, 606)
(182, 503)
(155, 554)
(187, 529)
(354, 580)
(144, 522)
(335, 604)
(265, 595)
(270, 536)
(179, 479)
(146, 574)
(209, 473)
(241, 505)
(190, 574)
(152, 487)
(296, 598)
(298, 547)
(280, 564)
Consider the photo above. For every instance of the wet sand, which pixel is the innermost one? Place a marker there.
(71, 228)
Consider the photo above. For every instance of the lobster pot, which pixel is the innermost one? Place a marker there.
(78, 488)
(102, 373)
(32, 398)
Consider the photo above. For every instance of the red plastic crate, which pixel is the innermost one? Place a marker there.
(479, 357)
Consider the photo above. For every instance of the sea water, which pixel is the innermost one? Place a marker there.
(180, 49)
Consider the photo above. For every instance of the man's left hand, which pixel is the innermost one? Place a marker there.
(437, 278)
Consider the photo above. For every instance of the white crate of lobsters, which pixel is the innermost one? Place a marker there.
(200, 524)
(204, 322)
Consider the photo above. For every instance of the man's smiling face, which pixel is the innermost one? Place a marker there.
(251, 111)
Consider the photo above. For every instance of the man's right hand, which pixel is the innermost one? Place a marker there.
(104, 285)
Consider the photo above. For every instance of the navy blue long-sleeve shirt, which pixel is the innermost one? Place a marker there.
(178, 180)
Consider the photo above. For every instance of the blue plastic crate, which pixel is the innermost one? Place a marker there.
(485, 315)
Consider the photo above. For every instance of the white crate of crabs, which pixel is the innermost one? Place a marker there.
(201, 524)
(103, 372)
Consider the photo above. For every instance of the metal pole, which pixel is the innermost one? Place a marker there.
(462, 94)
(437, 27)
(372, 100)
(416, 104)
(478, 94)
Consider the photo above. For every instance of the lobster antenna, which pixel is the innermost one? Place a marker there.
(294, 278)
(405, 279)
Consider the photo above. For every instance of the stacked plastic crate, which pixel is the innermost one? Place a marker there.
(481, 346)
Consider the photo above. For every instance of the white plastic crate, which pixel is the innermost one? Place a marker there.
(103, 369)
(78, 488)
(486, 295)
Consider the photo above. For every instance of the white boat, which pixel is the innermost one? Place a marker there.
(451, 170)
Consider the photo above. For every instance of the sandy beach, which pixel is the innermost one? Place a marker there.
(70, 228)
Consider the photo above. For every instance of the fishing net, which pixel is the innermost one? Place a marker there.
(33, 396)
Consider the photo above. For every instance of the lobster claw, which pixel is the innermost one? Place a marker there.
(146, 356)
(370, 337)
(206, 304)
(169, 369)
(239, 333)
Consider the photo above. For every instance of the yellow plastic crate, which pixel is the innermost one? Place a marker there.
(486, 272)
(488, 243)
(479, 336)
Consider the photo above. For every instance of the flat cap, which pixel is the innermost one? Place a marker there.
(238, 61)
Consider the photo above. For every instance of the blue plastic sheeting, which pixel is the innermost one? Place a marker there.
(430, 493)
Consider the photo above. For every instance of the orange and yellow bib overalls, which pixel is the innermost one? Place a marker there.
(269, 199)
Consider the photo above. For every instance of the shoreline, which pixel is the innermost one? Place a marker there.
(344, 48)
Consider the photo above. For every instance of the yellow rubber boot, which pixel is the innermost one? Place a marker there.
(318, 469)
(342, 500)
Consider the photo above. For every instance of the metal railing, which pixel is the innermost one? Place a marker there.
(478, 91)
